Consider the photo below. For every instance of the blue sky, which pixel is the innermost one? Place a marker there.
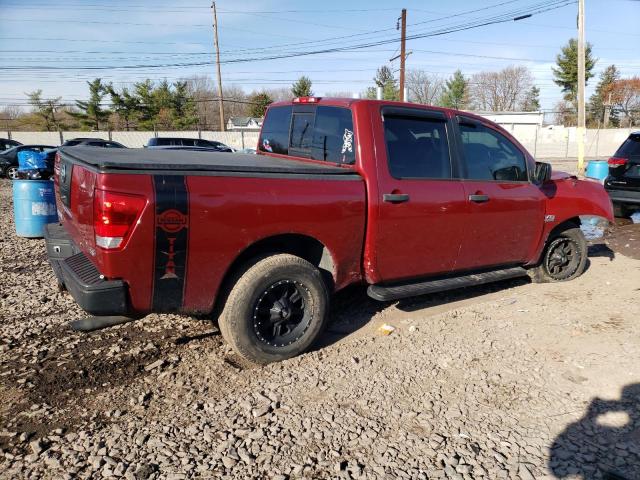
(72, 34)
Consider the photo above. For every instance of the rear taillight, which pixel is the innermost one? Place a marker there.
(114, 216)
(617, 161)
(56, 165)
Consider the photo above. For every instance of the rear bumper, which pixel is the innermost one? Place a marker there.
(624, 196)
(75, 272)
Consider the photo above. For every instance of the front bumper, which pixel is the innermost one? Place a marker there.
(75, 272)
(624, 196)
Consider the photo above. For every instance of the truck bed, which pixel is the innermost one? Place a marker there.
(142, 160)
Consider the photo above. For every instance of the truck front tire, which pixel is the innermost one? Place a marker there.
(564, 257)
(275, 310)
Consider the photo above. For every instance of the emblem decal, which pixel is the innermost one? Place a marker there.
(172, 220)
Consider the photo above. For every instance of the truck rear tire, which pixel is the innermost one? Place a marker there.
(275, 310)
(564, 257)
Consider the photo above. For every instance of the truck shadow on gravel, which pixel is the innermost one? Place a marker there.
(352, 309)
(604, 444)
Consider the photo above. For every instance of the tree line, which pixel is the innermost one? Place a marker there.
(147, 105)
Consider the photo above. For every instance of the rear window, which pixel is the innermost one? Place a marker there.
(333, 139)
(274, 137)
(321, 133)
(630, 147)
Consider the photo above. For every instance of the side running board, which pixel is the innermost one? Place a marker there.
(398, 291)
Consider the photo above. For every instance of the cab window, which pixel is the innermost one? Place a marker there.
(489, 155)
(417, 147)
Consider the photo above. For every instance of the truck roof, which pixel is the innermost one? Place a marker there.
(348, 102)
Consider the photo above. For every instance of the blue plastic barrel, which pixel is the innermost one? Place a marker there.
(34, 206)
(597, 169)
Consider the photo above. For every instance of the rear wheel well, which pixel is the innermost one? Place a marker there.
(303, 246)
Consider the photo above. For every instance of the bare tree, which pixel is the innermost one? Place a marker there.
(339, 94)
(205, 95)
(501, 91)
(9, 116)
(279, 94)
(424, 87)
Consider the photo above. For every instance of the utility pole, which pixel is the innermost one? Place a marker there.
(215, 41)
(403, 56)
(581, 87)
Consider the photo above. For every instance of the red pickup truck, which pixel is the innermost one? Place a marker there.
(406, 198)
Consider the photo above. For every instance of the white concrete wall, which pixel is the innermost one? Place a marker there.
(542, 142)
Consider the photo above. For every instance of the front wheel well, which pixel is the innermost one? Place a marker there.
(573, 222)
(303, 246)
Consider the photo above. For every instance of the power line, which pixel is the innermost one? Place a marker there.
(552, 6)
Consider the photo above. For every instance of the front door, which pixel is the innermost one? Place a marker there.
(506, 210)
(420, 221)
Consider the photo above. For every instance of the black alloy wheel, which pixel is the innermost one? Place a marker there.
(280, 315)
(563, 258)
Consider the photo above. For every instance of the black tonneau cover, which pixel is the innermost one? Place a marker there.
(129, 160)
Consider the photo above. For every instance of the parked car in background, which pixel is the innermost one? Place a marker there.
(248, 150)
(92, 142)
(623, 182)
(7, 143)
(187, 142)
(9, 159)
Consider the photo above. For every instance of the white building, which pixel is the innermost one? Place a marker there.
(250, 124)
(510, 119)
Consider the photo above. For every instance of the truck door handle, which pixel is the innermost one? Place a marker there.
(395, 197)
(478, 198)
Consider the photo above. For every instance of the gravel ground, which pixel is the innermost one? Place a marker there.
(510, 381)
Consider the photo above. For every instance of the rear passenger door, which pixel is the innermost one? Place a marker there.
(506, 208)
(421, 210)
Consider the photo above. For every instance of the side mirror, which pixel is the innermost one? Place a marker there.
(542, 173)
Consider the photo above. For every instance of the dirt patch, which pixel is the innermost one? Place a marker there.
(625, 239)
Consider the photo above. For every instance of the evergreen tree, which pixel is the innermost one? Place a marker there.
(596, 107)
(531, 101)
(456, 91)
(46, 109)
(259, 103)
(125, 104)
(566, 73)
(143, 91)
(302, 88)
(91, 113)
(384, 78)
(185, 114)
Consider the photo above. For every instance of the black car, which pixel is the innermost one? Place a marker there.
(92, 142)
(187, 142)
(9, 159)
(623, 182)
(7, 143)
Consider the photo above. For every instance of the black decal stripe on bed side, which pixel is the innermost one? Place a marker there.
(171, 242)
